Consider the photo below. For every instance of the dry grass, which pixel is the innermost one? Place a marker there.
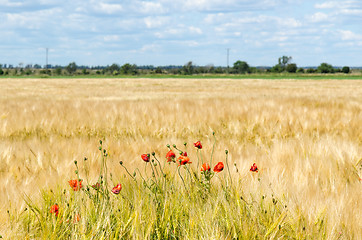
(305, 136)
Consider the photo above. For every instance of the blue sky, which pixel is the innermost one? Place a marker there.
(163, 32)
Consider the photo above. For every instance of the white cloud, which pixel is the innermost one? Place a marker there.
(318, 17)
(150, 7)
(108, 8)
(156, 22)
(326, 5)
(111, 38)
(7, 3)
(347, 35)
(195, 30)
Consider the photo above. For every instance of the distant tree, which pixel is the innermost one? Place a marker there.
(58, 71)
(71, 68)
(346, 69)
(37, 66)
(113, 67)
(188, 68)
(284, 61)
(129, 69)
(291, 68)
(28, 71)
(241, 67)
(1, 71)
(300, 70)
(158, 70)
(325, 68)
(84, 71)
(277, 69)
(311, 70)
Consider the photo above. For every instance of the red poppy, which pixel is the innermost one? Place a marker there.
(170, 156)
(117, 189)
(145, 157)
(254, 168)
(54, 209)
(205, 167)
(75, 184)
(198, 145)
(184, 154)
(96, 186)
(183, 160)
(219, 167)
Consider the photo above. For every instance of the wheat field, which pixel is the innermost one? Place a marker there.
(304, 135)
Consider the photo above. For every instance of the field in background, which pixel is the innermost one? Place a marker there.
(305, 136)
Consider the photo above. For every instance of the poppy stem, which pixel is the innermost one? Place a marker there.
(198, 154)
(159, 165)
(129, 173)
(213, 148)
(144, 180)
(181, 177)
(227, 165)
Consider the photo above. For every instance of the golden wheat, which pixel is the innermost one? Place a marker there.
(305, 136)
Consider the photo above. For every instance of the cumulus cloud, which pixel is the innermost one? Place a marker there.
(177, 26)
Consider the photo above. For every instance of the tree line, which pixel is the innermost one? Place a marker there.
(284, 64)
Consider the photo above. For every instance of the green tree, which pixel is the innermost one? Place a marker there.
(158, 70)
(241, 67)
(114, 67)
(1, 71)
(346, 69)
(291, 68)
(284, 61)
(58, 71)
(311, 70)
(277, 69)
(71, 68)
(325, 68)
(300, 70)
(129, 69)
(188, 68)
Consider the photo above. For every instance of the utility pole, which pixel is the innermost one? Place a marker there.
(46, 58)
(227, 59)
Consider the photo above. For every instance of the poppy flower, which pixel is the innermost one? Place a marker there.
(145, 157)
(183, 160)
(117, 189)
(54, 209)
(205, 167)
(254, 168)
(170, 156)
(219, 167)
(184, 154)
(75, 184)
(198, 145)
(96, 186)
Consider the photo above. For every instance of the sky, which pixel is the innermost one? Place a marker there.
(174, 32)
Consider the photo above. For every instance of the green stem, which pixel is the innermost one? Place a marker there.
(227, 165)
(213, 148)
(181, 177)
